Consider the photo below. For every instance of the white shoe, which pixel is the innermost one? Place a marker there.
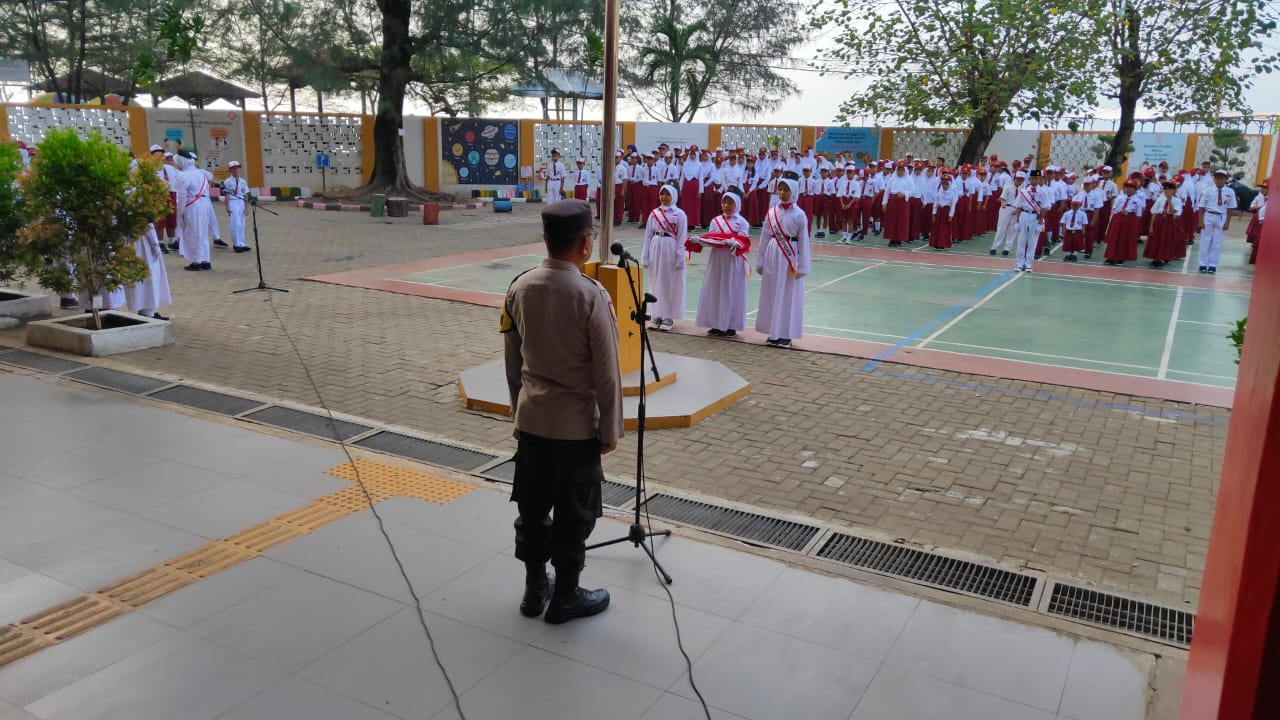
(656, 324)
(668, 324)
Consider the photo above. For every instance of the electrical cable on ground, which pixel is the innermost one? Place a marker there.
(333, 424)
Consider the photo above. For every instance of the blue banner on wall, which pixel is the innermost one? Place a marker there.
(863, 143)
(480, 152)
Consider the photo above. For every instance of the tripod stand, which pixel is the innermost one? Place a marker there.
(637, 534)
(257, 250)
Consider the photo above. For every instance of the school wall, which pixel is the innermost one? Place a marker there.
(502, 157)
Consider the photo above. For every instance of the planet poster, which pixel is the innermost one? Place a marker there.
(480, 152)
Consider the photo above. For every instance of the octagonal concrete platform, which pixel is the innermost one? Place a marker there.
(701, 388)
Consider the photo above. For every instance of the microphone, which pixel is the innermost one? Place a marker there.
(621, 252)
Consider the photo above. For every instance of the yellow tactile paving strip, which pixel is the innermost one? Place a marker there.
(65, 621)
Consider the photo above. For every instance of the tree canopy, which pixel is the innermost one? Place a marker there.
(980, 63)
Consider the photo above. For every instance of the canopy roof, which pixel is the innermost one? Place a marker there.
(93, 83)
(560, 83)
(199, 88)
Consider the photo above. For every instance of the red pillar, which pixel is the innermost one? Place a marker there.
(1234, 669)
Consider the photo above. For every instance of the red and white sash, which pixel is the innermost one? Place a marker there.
(664, 224)
(204, 188)
(1030, 198)
(775, 224)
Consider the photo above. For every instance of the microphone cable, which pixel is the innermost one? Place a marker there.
(333, 425)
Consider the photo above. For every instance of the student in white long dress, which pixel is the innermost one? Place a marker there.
(783, 263)
(194, 210)
(146, 296)
(665, 233)
(722, 304)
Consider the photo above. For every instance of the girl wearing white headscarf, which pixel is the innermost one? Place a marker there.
(722, 304)
(194, 213)
(665, 233)
(783, 263)
(146, 296)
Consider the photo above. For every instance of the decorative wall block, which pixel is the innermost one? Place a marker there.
(29, 124)
(753, 137)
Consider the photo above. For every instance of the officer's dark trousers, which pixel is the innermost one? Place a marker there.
(557, 490)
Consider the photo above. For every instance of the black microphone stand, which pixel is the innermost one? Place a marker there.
(637, 534)
(257, 249)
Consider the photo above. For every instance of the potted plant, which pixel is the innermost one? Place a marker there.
(85, 207)
(15, 304)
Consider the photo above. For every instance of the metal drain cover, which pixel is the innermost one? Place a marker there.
(616, 494)
(36, 361)
(427, 451)
(738, 523)
(116, 380)
(924, 567)
(310, 423)
(202, 399)
(1112, 611)
(503, 472)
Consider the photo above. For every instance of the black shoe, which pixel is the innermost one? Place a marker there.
(219, 243)
(192, 267)
(173, 245)
(784, 343)
(206, 266)
(158, 316)
(1204, 268)
(68, 303)
(583, 603)
(243, 248)
(730, 333)
(993, 251)
(1088, 256)
(1213, 271)
(715, 333)
(164, 249)
(1004, 252)
(772, 342)
(535, 598)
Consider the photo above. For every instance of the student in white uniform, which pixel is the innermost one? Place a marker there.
(1007, 222)
(146, 296)
(236, 193)
(554, 186)
(663, 255)
(1216, 204)
(194, 211)
(722, 304)
(783, 263)
(1030, 204)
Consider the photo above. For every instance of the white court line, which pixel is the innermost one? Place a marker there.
(1168, 338)
(1186, 261)
(968, 311)
(845, 277)
(1201, 322)
(1198, 374)
(850, 330)
(1046, 355)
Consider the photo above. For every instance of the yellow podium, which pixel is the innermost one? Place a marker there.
(614, 280)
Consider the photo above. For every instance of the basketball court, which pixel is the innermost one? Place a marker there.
(1131, 330)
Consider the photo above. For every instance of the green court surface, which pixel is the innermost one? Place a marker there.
(1128, 327)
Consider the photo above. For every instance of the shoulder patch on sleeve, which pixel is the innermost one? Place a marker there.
(505, 323)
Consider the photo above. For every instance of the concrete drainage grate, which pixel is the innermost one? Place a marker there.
(310, 423)
(738, 523)
(923, 567)
(202, 399)
(1121, 613)
(616, 494)
(36, 361)
(116, 380)
(427, 451)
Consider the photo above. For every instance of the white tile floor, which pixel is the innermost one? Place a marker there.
(322, 628)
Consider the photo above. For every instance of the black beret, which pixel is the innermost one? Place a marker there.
(184, 153)
(1035, 173)
(566, 217)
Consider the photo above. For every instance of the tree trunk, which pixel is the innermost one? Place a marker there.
(393, 80)
(984, 128)
(1131, 76)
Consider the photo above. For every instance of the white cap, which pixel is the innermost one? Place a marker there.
(157, 148)
(168, 154)
(1020, 175)
(582, 160)
(233, 164)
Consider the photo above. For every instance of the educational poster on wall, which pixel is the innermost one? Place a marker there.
(216, 136)
(863, 143)
(1150, 149)
(649, 136)
(479, 152)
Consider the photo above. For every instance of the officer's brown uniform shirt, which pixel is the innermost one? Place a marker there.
(562, 355)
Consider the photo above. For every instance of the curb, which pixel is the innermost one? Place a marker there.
(344, 207)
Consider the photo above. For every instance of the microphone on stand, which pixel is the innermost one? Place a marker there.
(623, 256)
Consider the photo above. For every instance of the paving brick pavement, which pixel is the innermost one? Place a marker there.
(1113, 489)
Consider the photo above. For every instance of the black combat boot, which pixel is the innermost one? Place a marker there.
(570, 601)
(537, 589)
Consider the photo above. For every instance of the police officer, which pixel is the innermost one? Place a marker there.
(561, 343)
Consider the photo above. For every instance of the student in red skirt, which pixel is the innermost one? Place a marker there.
(1164, 243)
(806, 200)
(944, 212)
(1126, 223)
(1074, 225)
(750, 178)
(849, 204)
(830, 207)
(1259, 209)
(898, 191)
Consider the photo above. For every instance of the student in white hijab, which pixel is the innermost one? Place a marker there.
(783, 263)
(722, 304)
(665, 233)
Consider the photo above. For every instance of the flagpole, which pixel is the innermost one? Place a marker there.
(609, 131)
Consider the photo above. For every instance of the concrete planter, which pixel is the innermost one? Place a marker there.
(25, 305)
(122, 332)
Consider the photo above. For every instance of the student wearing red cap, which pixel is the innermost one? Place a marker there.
(1074, 223)
(944, 212)
(1165, 243)
(1126, 223)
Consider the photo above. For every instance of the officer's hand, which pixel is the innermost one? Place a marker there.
(606, 448)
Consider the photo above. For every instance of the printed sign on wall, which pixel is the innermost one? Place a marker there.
(218, 135)
(1150, 149)
(479, 152)
(863, 143)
